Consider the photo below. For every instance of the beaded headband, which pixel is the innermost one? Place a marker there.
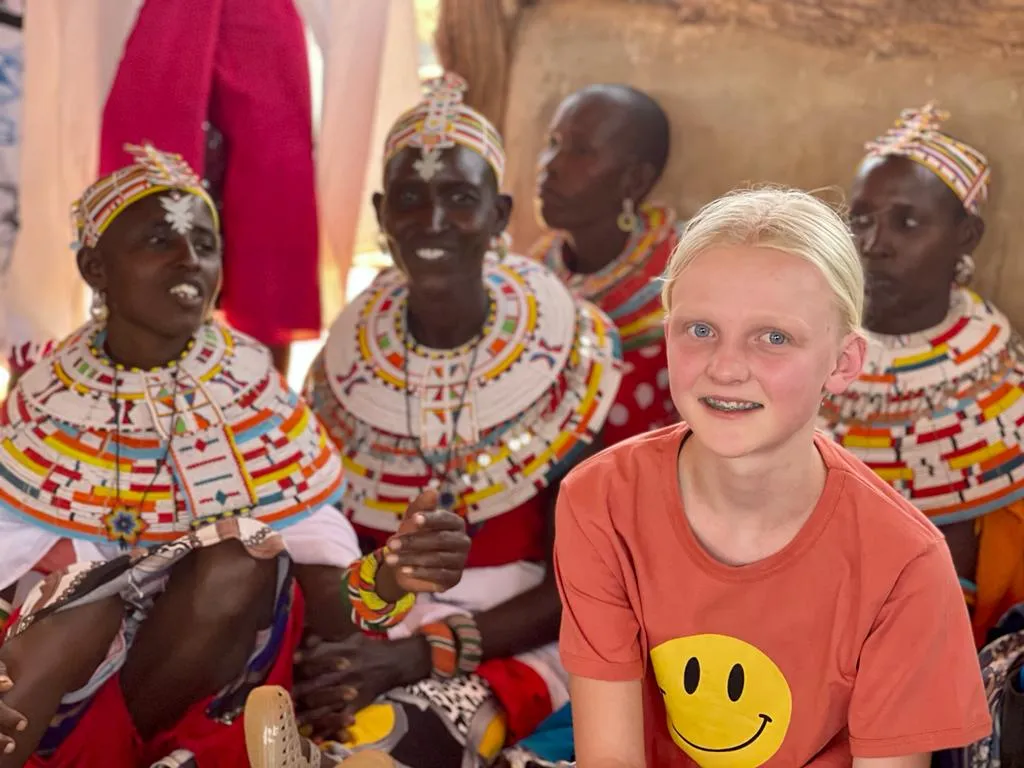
(441, 121)
(152, 172)
(916, 136)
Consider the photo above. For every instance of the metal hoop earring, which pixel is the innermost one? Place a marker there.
(627, 220)
(500, 245)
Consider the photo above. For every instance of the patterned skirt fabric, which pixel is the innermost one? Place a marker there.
(518, 757)
(464, 721)
(139, 578)
(1002, 665)
(454, 723)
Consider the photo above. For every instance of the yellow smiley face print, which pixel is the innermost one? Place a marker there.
(728, 704)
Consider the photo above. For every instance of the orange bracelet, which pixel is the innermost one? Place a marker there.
(443, 658)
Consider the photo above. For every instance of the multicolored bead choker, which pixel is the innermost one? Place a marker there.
(540, 383)
(939, 414)
(97, 451)
(628, 289)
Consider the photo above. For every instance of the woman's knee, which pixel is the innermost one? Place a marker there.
(40, 655)
(226, 586)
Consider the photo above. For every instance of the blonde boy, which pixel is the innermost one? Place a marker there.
(738, 590)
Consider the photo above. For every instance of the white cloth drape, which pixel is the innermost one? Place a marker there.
(11, 69)
(71, 51)
(371, 64)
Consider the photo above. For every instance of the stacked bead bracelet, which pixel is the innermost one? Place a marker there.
(370, 612)
(455, 646)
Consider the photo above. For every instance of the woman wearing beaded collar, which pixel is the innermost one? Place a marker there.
(477, 373)
(936, 411)
(607, 146)
(159, 476)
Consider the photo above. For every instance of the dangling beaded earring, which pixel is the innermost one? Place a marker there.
(627, 220)
(500, 245)
(963, 272)
(98, 308)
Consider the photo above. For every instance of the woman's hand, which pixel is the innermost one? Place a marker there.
(336, 680)
(427, 554)
(11, 722)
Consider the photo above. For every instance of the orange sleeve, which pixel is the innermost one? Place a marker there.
(918, 686)
(600, 636)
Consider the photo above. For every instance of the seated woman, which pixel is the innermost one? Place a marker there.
(478, 374)
(160, 479)
(607, 147)
(935, 412)
(739, 590)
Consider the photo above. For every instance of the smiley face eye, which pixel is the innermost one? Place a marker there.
(737, 679)
(691, 675)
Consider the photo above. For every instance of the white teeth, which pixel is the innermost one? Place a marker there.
(185, 291)
(730, 405)
(430, 254)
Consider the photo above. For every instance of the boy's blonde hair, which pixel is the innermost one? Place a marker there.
(786, 219)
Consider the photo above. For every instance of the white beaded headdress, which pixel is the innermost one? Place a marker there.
(441, 121)
(917, 137)
(152, 172)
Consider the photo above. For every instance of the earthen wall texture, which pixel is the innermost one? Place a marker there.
(786, 91)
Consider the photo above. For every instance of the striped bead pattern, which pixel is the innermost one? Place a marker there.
(370, 612)
(470, 644)
(939, 414)
(442, 121)
(916, 136)
(629, 287)
(91, 450)
(152, 172)
(540, 389)
(443, 654)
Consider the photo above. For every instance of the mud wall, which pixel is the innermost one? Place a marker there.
(786, 91)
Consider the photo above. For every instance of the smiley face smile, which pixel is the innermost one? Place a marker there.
(764, 724)
(724, 693)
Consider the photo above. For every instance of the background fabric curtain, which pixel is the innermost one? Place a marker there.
(366, 66)
(370, 64)
(71, 51)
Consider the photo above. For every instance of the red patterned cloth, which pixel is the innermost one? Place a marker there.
(23, 356)
(241, 64)
(105, 737)
(93, 728)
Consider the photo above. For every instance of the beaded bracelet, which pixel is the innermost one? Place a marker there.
(455, 646)
(469, 642)
(370, 611)
(443, 658)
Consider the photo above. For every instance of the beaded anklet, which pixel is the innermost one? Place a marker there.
(455, 646)
(370, 612)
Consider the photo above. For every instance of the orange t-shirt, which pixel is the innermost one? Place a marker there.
(853, 639)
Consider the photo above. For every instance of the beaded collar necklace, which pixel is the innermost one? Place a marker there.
(442, 472)
(125, 521)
